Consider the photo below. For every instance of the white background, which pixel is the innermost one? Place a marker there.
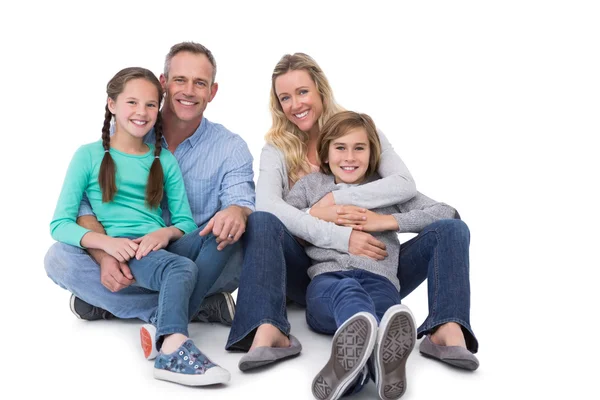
(493, 106)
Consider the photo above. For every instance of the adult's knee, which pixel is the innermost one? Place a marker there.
(59, 261)
(454, 228)
(261, 221)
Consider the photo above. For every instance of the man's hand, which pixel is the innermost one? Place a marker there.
(227, 225)
(364, 244)
(115, 275)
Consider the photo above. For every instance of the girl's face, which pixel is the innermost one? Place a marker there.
(136, 108)
(300, 100)
(348, 156)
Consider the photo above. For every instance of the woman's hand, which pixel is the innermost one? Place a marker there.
(120, 248)
(364, 244)
(156, 240)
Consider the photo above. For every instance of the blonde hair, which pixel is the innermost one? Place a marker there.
(284, 134)
(339, 125)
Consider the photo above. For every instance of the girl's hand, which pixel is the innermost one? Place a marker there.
(153, 241)
(120, 248)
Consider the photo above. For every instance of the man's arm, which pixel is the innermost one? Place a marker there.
(113, 274)
(91, 222)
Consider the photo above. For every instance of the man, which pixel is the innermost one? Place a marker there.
(217, 169)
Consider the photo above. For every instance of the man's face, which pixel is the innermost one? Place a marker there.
(189, 87)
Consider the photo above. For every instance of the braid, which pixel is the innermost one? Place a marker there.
(154, 188)
(106, 177)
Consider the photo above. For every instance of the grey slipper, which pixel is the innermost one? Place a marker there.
(453, 355)
(267, 355)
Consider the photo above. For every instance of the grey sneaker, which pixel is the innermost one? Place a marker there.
(219, 307)
(88, 312)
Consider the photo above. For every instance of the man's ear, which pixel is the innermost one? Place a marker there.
(213, 91)
(163, 82)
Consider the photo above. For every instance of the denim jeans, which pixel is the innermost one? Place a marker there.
(440, 253)
(333, 297)
(174, 278)
(73, 269)
(274, 266)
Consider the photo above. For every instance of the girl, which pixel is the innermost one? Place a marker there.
(349, 295)
(125, 181)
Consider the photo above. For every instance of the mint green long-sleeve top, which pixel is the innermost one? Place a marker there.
(127, 215)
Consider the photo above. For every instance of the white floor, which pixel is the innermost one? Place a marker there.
(102, 359)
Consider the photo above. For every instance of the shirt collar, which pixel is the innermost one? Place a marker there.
(151, 138)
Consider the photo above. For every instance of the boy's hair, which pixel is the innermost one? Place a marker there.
(341, 124)
(194, 48)
(108, 169)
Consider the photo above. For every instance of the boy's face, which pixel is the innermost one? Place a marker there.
(348, 156)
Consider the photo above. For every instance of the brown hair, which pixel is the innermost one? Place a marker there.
(339, 125)
(284, 134)
(108, 169)
(194, 48)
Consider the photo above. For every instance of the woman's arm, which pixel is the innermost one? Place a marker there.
(272, 179)
(395, 186)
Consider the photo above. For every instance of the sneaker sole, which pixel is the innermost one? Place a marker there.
(395, 341)
(212, 376)
(230, 304)
(72, 305)
(148, 341)
(351, 347)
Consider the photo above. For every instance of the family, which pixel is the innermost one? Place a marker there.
(158, 220)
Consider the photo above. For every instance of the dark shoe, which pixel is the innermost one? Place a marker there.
(219, 307)
(454, 355)
(351, 347)
(88, 312)
(396, 339)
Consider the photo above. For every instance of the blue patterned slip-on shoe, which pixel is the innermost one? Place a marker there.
(351, 347)
(189, 366)
(396, 339)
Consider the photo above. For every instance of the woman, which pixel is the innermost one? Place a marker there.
(301, 102)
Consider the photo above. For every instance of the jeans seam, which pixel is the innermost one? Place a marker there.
(255, 326)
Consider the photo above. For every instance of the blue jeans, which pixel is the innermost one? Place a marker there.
(174, 278)
(333, 297)
(440, 253)
(274, 266)
(73, 269)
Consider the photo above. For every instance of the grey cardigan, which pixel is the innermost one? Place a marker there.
(395, 187)
(412, 216)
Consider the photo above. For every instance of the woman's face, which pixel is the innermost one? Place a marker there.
(300, 100)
